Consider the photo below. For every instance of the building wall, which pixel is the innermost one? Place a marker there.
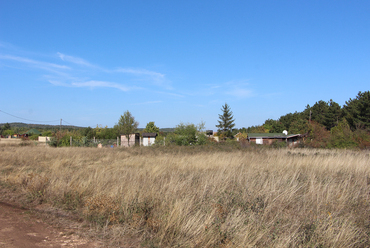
(134, 139)
(266, 141)
(44, 139)
(148, 141)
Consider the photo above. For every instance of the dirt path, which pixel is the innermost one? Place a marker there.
(21, 228)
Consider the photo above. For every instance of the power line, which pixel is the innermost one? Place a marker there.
(25, 118)
(68, 123)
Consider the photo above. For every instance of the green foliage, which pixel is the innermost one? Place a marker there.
(187, 134)
(257, 129)
(202, 139)
(226, 122)
(288, 119)
(127, 125)
(47, 133)
(277, 127)
(300, 126)
(105, 133)
(151, 128)
(278, 144)
(8, 132)
(318, 136)
(4, 128)
(268, 124)
(160, 140)
(349, 126)
(319, 110)
(357, 111)
(89, 133)
(333, 115)
(342, 136)
(34, 137)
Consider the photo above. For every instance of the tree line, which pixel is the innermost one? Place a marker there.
(325, 125)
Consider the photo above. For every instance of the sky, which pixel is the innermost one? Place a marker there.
(87, 62)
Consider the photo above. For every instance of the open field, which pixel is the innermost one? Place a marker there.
(202, 197)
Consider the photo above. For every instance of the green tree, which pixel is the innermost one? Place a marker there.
(357, 111)
(188, 134)
(319, 110)
(6, 126)
(268, 124)
(288, 119)
(342, 136)
(127, 125)
(185, 134)
(300, 126)
(151, 128)
(277, 127)
(225, 122)
(333, 115)
(89, 133)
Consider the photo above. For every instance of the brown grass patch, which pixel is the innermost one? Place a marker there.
(206, 197)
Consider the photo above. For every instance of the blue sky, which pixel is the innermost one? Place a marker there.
(87, 62)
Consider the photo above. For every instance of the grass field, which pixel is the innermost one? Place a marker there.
(203, 197)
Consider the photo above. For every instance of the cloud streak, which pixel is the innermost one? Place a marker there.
(141, 72)
(76, 72)
(39, 64)
(74, 60)
(100, 84)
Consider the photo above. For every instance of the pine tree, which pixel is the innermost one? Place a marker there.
(226, 122)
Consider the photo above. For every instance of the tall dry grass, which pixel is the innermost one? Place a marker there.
(188, 198)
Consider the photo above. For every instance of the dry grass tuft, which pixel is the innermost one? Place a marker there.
(200, 197)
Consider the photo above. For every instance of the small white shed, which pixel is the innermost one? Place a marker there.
(148, 138)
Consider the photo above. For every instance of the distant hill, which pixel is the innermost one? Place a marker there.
(167, 130)
(44, 126)
(39, 126)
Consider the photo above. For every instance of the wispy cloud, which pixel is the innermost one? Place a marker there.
(64, 70)
(39, 64)
(74, 60)
(101, 84)
(141, 72)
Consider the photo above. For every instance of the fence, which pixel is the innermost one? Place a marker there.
(84, 142)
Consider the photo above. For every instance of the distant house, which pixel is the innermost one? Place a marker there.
(32, 132)
(269, 138)
(44, 139)
(134, 140)
(149, 138)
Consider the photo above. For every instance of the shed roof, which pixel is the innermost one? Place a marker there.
(271, 135)
(33, 131)
(149, 134)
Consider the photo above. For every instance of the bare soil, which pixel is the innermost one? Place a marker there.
(27, 224)
(22, 228)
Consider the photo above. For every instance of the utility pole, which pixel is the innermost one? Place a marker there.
(60, 126)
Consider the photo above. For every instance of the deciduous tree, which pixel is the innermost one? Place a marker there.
(127, 125)
(151, 128)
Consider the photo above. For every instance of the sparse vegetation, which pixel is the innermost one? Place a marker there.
(203, 196)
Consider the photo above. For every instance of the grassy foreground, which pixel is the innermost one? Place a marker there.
(186, 197)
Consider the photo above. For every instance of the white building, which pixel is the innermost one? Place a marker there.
(148, 138)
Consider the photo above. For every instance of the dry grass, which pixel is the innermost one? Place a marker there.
(188, 198)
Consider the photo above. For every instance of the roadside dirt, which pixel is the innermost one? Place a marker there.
(27, 224)
(22, 228)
